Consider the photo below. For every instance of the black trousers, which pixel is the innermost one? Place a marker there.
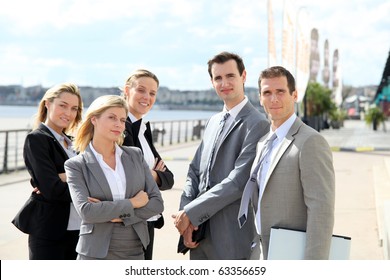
(149, 250)
(45, 249)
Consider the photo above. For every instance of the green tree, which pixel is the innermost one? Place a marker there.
(374, 116)
(318, 100)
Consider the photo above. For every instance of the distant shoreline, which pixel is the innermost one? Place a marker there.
(23, 117)
(16, 123)
(192, 107)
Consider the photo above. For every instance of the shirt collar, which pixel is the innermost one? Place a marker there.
(59, 137)
(142, 126)
(236, 109)
(282, 130)
(118, 151)
(132, 118)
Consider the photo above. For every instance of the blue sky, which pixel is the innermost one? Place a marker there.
(99, 42)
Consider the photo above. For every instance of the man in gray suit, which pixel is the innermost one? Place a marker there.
(293, 184)
(220, 169)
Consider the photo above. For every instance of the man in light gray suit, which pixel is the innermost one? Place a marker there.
(220, 169)
(293, 185)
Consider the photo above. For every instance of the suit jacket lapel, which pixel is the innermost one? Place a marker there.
(149, 138)
(242, 114)
(251, 190)
(286, 142)
(238, 120)
(97, 172)
(128, 164)
(46, 131)
(132, 130)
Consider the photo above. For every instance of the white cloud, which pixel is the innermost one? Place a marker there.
(51, 40)
(31, 16)
(245, 14)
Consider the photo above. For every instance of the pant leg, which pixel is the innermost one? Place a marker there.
(149, 249)
(44, 249)
(71, 239)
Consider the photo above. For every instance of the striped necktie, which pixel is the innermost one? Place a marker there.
(242, 216)
(267, 148)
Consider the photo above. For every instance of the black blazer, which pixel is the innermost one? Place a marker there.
(44, 158)
(131, 139)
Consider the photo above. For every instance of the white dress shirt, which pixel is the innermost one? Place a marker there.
(147, 151)
(116, 177)
(281, 133)
(233, 114)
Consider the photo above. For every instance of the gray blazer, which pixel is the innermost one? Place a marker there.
(220, 204)
(86, 179)
(299, 190)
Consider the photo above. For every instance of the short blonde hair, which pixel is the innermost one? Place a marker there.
(53, 93)
(96, 109)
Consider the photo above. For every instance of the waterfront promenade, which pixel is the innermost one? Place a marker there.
(362, 166)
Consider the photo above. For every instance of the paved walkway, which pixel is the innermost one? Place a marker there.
(362, 186)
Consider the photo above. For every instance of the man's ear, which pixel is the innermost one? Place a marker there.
(261, 102)
(244, 76)
(295, 95)
(212, 82)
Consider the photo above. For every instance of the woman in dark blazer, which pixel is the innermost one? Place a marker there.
(140, 92)
(49, 217)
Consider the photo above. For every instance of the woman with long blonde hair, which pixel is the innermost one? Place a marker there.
(49, 216)
(111, 186)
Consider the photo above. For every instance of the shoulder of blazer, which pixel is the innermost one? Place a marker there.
(80, 159)
(297, 126)
(252, 117)
(250, 111)
(42, 130)
(131, 150)
(87, 156)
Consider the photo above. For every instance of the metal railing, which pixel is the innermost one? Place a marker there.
(11, 149)
(165, 133)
